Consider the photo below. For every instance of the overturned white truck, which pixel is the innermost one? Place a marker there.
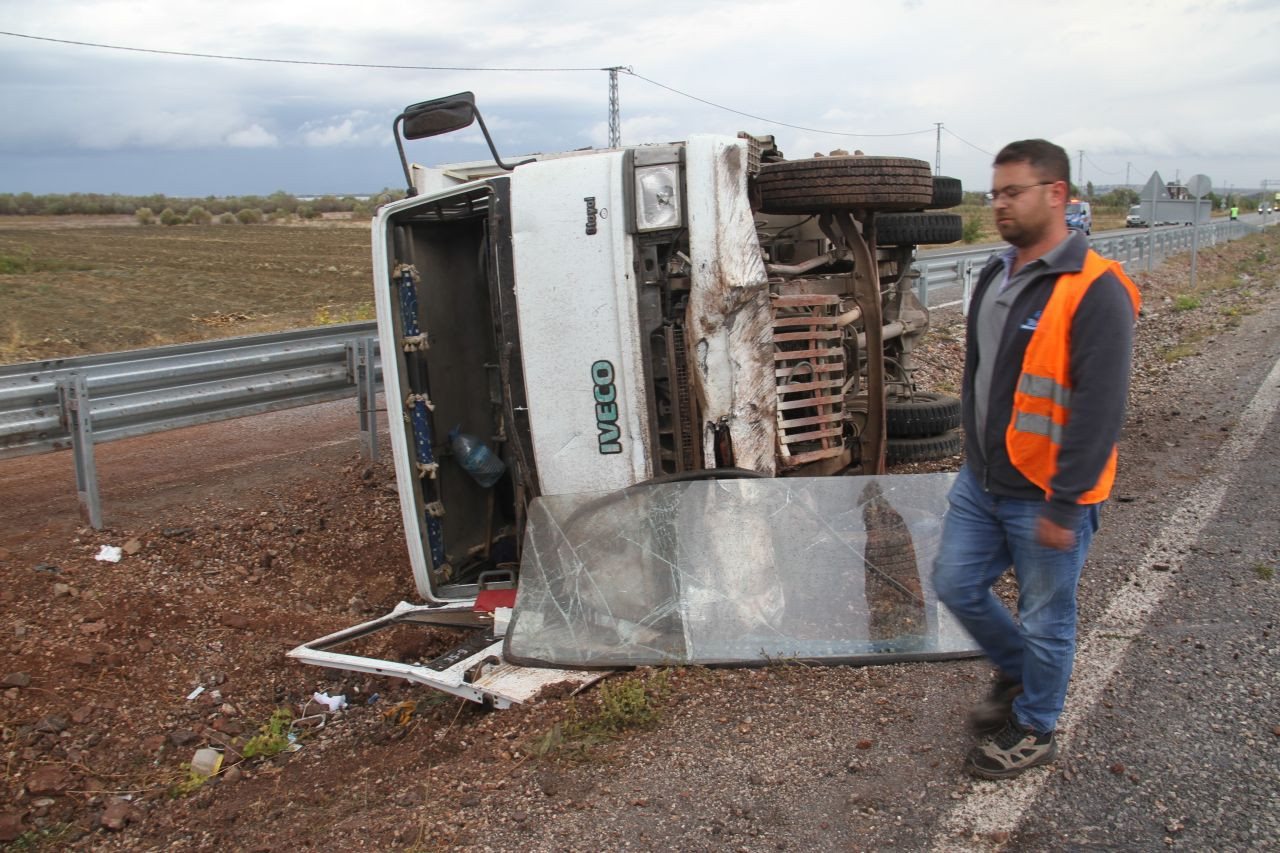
(672, 350)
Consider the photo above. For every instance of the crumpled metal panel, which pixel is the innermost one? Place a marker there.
(730, 322)
(736, 572)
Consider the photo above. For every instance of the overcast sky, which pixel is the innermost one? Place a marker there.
(1177, 86)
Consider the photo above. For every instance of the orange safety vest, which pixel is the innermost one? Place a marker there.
(1042, 401)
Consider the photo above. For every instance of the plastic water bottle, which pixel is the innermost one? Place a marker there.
(474, 455)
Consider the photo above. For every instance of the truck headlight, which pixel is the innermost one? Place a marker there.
(657, 197)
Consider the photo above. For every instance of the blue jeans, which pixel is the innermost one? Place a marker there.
(981, 536)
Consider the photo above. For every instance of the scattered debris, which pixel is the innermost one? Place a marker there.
(333, 703)
(109, 554)
(206, 762)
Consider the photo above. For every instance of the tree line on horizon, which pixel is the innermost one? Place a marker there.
(152, 207)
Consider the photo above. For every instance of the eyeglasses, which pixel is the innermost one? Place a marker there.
(1014, 190)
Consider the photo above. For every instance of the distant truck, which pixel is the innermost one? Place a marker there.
(1080, 216)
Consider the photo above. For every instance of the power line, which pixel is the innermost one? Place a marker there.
(284, 61)
(763, 118)
(967, 142)
(613, 70)
(1099, 168)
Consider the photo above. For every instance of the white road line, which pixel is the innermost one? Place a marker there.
(997, 807)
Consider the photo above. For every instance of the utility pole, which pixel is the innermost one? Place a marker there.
(937, 150)
(1127, 166)
(1080, 171)
(615, 123)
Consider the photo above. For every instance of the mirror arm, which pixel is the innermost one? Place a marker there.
(492, 149)
(404, 161)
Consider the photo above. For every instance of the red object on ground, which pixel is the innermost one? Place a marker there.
(490, 599)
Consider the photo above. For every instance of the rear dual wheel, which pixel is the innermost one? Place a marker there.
(923, 428)
(828, 184)
(925, 449)
(911, 229)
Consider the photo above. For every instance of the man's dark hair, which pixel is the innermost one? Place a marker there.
(1049, 160)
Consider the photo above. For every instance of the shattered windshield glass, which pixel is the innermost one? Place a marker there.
(736, 571)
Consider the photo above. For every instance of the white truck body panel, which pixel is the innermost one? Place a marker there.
(576, 315)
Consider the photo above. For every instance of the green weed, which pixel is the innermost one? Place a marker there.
(193, 782)
(973, 229)
(629, 704)
(40, 839)
(1186, 302)
(273, 736)
(1265, 572)
(1177, 352)
(328, 315)
(23, 261)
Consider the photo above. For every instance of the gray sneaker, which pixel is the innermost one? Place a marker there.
(1014, 749)
(990, 715)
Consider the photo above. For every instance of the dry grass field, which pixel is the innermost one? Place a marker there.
(76, 285)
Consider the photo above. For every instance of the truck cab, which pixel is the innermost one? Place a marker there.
(605, 319)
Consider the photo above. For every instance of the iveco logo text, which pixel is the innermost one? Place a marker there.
(594, 213)
(606, 407)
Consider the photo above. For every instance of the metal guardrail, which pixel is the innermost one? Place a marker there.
(1140, 247)
(85, 400)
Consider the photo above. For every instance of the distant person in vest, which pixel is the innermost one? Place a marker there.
(1049, 346)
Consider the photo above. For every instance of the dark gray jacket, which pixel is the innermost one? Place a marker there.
(1101, 354)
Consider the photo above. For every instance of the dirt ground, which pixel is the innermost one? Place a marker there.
(242, 540)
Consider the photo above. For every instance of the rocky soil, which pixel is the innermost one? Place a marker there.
(114, 674)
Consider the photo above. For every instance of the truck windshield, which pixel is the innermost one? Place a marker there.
(1074, 208)
(736, 571)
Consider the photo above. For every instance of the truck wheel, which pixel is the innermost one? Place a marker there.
(909, 229)
(823, 184)
(927, 449)
(947, 192)
(923, 415)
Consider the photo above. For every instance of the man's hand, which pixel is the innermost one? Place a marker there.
(1052, 535)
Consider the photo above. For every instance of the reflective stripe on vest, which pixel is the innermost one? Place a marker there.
(1042, 400)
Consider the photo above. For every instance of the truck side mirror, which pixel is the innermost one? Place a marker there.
(437, 117)
(443, 115)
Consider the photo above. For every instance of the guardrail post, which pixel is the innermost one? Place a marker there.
(966, 287)
(73, 396)
(367, 395)
(922, 285)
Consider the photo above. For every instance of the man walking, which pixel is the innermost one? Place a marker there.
(1046, 375)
